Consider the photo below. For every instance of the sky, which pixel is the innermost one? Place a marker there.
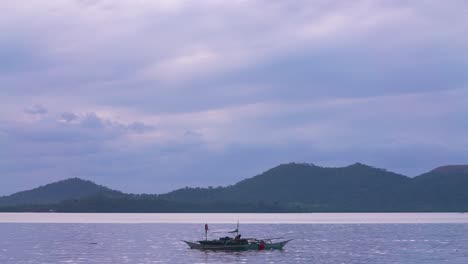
(149, 96)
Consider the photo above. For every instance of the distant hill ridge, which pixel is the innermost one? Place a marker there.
(306, 187)
(293, 187)
(73, 188)
(452, 169)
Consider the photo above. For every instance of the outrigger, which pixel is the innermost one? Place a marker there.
(236, 243)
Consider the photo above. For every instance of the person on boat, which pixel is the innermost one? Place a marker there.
(237, 237)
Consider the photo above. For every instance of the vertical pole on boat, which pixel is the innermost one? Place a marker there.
(206, 231)
(237, 229)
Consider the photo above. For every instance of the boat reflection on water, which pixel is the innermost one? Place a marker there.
(237, 243)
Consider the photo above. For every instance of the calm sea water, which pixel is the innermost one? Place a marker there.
(133, 238)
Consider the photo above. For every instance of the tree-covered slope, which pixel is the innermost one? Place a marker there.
(56, 192)
(349, 188)
(286, 188)
(442, 189)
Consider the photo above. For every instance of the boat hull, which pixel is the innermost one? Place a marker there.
(269, 246)
(249, 246)
(193, 245)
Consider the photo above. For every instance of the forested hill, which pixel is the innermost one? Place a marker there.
(289, 187)
(442, 189)
(72, 188)
(355, 188)
(307, 187)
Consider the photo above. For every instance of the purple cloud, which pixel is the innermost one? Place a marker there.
(36, 110)
(170, 93)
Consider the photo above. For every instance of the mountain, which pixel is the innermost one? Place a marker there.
(308, 187)
(293, 187)
(451, 169)
(442, 189)
(57, 192)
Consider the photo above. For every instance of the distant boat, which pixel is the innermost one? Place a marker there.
(243, 244)
(236, 243)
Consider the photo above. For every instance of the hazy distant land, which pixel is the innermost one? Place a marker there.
(289, 187)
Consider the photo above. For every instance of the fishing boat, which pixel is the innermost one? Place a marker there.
(236, 243)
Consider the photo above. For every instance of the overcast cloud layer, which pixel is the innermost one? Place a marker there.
(148, 96)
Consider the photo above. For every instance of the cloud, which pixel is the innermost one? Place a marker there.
(329, 37)
(68, 117)
(36, 110)
(140, 127)
(190, 148)
(171, 93)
